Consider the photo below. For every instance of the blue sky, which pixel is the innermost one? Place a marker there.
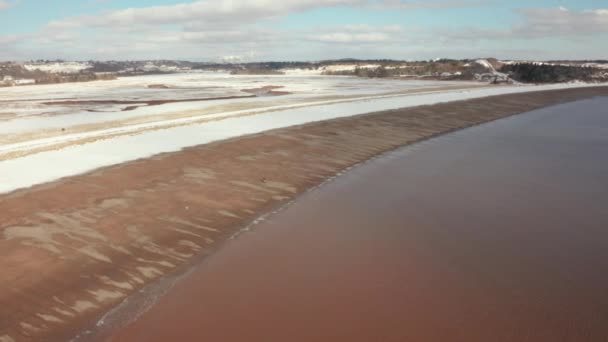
(302, 29)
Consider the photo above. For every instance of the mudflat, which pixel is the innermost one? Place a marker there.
(73, 249)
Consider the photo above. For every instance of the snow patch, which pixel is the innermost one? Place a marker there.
(59, 67)
(486, 64)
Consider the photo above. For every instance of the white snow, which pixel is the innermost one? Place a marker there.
(59, 67)
(329, 68)
(76, 159)
(26, 104)
(485, 64)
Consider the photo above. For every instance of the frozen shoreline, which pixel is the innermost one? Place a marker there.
(156, 138)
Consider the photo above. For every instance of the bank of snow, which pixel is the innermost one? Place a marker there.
(76, 159)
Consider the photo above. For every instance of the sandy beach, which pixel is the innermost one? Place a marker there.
(75, 248)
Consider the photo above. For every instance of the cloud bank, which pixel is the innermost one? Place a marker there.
(207, 30)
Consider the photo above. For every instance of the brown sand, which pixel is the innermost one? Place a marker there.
(158, 86)
(139, 103)
(73, 249)
(262, 91)
(268, 90)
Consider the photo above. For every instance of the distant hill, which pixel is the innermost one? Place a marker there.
(485, 69)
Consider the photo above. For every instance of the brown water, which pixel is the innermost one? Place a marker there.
(494, 233)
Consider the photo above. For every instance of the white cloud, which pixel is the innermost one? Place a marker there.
(538, 23)
(341, 37)
(9, 39)
(214, 28)
(357, 34)
(5, 4)
(403, 5)
(226, 23)
(226, 27)
(211, 12)
(560, 21)
(235, 11)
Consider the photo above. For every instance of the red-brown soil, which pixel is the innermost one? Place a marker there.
(266, 91)
(158, 86)
(137, 104)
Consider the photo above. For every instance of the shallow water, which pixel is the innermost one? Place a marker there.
(493, 233)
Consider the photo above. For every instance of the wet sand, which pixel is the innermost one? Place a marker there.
(139, 103)
(73, 249)
(494, 233)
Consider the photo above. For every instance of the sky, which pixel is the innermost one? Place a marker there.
(302, 30)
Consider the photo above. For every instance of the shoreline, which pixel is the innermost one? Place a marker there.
(370, 247)
(133, 307)
(117, 145)
(220, 180)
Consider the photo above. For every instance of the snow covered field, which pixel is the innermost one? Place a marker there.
(43, 142)
(53, 110)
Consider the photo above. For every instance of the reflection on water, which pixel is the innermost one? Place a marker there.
(494, 233)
